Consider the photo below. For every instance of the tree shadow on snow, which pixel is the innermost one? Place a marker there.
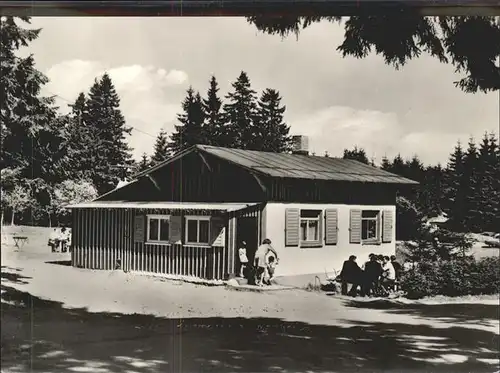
(453, 313)
(12, 277)
(41, 335)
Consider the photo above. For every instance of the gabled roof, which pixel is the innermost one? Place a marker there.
(295, 166)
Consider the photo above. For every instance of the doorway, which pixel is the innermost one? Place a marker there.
(247, 229)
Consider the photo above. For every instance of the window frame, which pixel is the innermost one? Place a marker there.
(158, 217)
(310, 243)
(197, 218)
(378, 220)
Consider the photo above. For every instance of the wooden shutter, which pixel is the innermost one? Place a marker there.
(140, 233)
(217, 231)
(292, 218)
(331, 226)
(175, 229)
(355, 226)
(387, 224)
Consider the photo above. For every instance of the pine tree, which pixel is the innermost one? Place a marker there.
(239, 114)
(112, 156)
(189, 132)
(28, 120)
(356, 154)
(398, 165)
(495, 167)
(80, 142)
(470, 184)
(488, 189)
(270, 129)
(213, 128)
(386, 164)
(161, 149)
(415, 169)
(144, 163)
(454, 197)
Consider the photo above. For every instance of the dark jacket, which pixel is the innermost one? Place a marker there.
(397, 268)
(373, 270)
(350, 272)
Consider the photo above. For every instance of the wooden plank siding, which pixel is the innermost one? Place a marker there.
(101, 237)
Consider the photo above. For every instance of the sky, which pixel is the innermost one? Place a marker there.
(337, 102)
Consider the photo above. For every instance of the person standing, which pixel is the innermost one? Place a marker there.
(261, 260)
(242, 254)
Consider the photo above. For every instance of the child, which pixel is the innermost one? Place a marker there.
(242, 253)
(271, 266)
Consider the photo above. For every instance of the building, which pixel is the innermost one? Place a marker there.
(187, 215)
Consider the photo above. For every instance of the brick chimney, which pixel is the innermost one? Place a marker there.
(300, 145)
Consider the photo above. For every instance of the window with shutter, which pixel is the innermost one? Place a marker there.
(355, 226)
(311, 228)
(331, 226)
(292, 227)
(387, 225)
(217, 231)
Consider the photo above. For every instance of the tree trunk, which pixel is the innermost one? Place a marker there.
(50, 220)
(12, 218)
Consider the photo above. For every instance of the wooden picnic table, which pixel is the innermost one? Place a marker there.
(19, 241)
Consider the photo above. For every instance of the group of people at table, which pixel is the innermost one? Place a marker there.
(60, 239)
(379, 275)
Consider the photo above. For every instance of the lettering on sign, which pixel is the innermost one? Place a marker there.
(139, 229)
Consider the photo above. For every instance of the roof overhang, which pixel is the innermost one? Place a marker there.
(227, 207)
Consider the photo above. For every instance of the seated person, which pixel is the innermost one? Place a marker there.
(351, 274)
(54, 240)
(388, 274)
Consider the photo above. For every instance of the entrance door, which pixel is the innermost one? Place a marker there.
(247, 230)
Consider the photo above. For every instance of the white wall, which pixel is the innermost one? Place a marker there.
(298, 261)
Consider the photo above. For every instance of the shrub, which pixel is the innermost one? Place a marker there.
(456, 277)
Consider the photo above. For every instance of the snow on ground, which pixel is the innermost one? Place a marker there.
(339, 332)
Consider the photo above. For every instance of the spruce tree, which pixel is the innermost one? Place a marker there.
(161, 150)
(357, 154)
(189, 132)
(454, 197)
(240, 113)
(143, 164)
(398, 165)
(272, 133)
(386, 164)
(470, 188)
(213, 128)
(495, 167)
(488, 190)
(29, 127)
(80, 142)
(112, 156)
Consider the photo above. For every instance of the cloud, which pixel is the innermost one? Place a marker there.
(335, 128)
(149, 96)
(380, 134)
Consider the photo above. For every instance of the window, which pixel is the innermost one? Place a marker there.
(197, 230)
(158, 228)
(370, 225)
(310, 226)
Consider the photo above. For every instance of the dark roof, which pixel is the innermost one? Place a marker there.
(310, 167)
(295, 166)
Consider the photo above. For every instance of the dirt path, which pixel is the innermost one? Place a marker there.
(59, 318)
